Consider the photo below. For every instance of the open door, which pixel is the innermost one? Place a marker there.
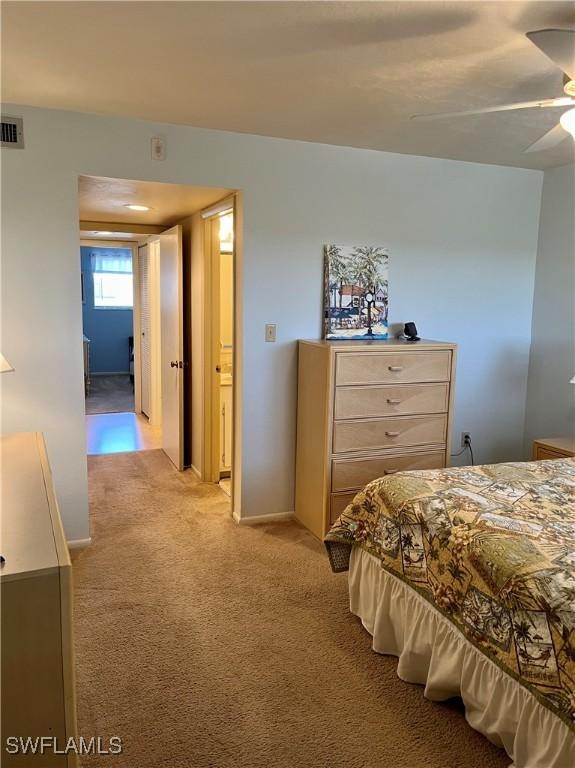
(218, 386)
(172, 337)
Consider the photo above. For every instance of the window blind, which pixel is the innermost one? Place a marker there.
(121, 261)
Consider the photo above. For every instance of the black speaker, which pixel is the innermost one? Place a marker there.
(410, 332)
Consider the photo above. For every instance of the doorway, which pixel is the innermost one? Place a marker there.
(108, 327)
(111, 316)
(219, 245)
(183, 318)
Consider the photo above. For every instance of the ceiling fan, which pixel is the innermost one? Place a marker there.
(559, 46)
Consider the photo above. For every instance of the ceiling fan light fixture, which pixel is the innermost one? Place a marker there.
(567, 121)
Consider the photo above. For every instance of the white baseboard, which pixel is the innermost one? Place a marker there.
(79, 543)
(279, 517)
(196, 471)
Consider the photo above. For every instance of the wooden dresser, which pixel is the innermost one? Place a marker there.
(554, 448)
(366, 409)
(38, 693)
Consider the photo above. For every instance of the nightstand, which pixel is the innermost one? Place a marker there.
(553, 448)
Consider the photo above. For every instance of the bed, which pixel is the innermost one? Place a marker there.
(468, 576)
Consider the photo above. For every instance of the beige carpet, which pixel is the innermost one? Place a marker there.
(204, 644)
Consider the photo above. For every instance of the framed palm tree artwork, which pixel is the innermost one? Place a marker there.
(356, 292)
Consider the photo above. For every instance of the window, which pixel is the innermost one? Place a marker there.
(113, 284)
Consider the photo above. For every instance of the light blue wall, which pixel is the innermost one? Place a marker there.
(550, 396)
(107, 329)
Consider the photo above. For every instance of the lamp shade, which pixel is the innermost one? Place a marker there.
(5, 366)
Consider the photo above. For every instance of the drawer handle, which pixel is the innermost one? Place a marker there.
(392, 434)
(395, 367)
(390, 471)
(391, 401)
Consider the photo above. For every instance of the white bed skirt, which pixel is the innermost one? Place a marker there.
(434, 653)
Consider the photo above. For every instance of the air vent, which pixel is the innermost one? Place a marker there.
(12, 132)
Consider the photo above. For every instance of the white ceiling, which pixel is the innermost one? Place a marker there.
(348, 73)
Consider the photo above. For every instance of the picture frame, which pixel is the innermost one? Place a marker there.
(356, 292)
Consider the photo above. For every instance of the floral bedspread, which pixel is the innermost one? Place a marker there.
(493, 549)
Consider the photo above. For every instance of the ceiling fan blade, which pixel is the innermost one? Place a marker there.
(562, 101)
(549, 140)
(558, 45)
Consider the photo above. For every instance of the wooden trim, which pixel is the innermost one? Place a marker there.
(114, 226)
(237, 355)
(210, 452)
(216, 209)
(202, 352)
(213, 328)
(207, 388)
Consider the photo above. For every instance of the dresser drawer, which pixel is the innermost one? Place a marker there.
(357, 473)
(554, 448)
(391, 367)
(545, 454)
(339, 502)
(371, 434)
(389, 400)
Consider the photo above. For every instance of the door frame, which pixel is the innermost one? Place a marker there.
(210, 454)
(136, 323)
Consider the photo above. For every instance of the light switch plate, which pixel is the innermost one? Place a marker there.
(270, 331)
(158, 145)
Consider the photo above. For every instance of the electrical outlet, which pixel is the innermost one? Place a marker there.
(270, 331)
(465, 439)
